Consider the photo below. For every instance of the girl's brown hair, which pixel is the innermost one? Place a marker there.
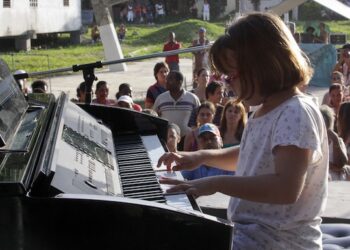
(242, 122)
(266, 53)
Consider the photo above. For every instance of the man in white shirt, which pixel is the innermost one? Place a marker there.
(176, 104)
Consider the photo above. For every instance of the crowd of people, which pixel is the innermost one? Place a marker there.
(156, 11)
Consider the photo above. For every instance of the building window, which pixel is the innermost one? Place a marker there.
(65, 2)
(6, 3)
(33, 3)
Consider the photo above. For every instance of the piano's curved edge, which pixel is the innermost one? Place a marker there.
(72, 221)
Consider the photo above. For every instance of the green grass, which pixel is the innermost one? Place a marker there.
(140, 40)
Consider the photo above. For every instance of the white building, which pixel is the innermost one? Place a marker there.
(23, 20)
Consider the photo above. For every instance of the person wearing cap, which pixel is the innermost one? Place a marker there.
(343, 64)
(208, 138)
(200, 57)
(125, 89)
(125, 101)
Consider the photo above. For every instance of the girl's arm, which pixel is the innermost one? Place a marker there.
(282, 187)
(225, 159)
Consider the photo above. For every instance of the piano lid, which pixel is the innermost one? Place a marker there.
(12, 105)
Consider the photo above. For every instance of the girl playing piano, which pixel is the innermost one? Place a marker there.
(280, 186)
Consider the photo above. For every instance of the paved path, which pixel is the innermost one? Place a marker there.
(138, 74)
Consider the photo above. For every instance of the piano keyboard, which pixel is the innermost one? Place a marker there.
(136, 159)
(137, 177)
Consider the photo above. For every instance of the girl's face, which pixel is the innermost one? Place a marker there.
(203, 78)
(162, 74)
(233, 115)
(336, 96)
(205, 116)
(233, 78)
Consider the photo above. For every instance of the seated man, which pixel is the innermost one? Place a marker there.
(208, 138)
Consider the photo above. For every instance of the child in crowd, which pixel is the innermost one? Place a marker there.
(208, 138)
(276, 202)
(173, 137)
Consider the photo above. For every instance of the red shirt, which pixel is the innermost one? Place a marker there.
(171, 46)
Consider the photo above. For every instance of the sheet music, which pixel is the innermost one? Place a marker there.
(84, 159)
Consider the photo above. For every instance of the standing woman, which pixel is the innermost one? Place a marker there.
(202, 80)
(233, 122)
(205, 114)
(160, 72)
(276, 202)
(214, 94)
(101, 94)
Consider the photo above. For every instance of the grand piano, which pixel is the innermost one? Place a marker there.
(84, 177)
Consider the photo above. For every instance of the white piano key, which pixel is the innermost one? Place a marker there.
(155, 150)
(180, 201)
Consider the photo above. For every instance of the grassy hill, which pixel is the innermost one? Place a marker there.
(140, 40)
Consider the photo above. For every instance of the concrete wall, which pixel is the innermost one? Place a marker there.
(48, 17)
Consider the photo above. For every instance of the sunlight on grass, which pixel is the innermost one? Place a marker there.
(140, 40)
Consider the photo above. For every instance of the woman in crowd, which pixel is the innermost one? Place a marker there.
(160, 72)
(336, 96)
(214, 93)
(337, 77)
(101, 93)
(233, 122)
(173, 137)
(205, 114)
(202, 80)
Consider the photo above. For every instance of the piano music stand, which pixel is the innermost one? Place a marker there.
(89, 77)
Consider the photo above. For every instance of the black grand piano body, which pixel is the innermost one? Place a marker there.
(36, 215)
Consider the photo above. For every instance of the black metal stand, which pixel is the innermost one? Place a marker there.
(89, 77)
